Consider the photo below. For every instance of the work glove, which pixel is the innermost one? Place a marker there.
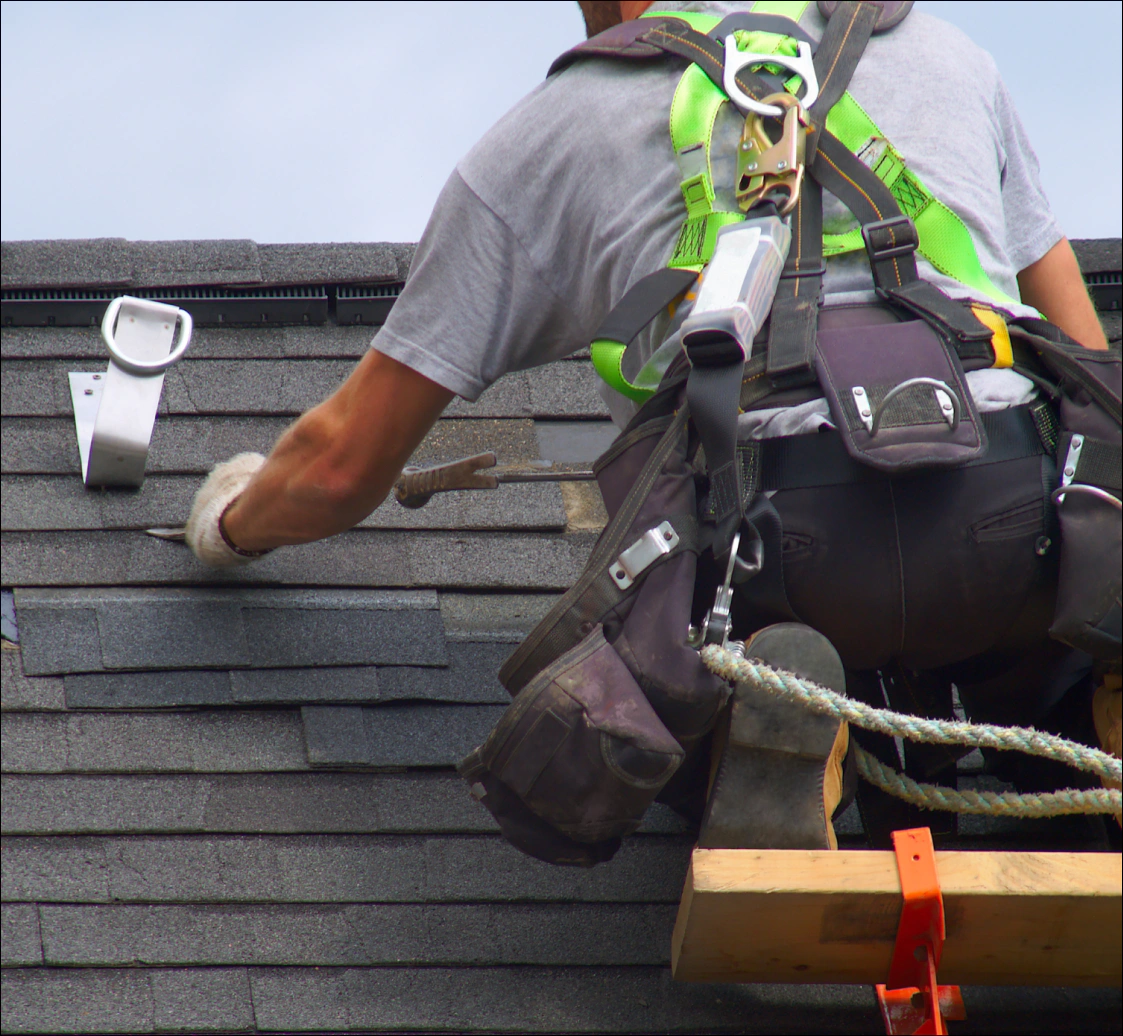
(223, 486)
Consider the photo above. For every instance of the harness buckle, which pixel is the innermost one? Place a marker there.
(890, 238)
(763, 167)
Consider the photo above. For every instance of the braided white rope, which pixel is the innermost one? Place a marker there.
(991, 803)
(935, 731)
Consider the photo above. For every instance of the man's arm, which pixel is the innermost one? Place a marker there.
(337, 463)
(1055, 286)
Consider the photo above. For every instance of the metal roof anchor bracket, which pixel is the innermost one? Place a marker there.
(114, 412)
(911, 999)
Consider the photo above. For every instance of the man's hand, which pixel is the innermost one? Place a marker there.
(1055, 286)
(204, 528)
(336, 463)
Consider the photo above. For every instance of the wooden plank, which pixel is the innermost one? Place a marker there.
(1013, 918)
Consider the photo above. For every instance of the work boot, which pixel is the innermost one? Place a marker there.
(778, 767)
(1107, 712)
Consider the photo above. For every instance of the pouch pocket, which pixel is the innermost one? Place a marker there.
(1088, 615)
(898, 396)
(581, 747)
(1089, 612)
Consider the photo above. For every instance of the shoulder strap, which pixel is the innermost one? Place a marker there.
(795, 313)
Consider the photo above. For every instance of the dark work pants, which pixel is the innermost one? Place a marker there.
(935, 579)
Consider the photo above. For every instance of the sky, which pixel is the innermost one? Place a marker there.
(285, 122)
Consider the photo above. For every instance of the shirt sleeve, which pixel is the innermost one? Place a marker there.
(1031, 228)
(474, 306)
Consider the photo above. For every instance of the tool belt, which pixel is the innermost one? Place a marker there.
(610, 693)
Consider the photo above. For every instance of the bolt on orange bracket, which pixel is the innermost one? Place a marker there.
(911, 1000)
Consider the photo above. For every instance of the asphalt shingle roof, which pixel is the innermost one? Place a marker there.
(228, 802)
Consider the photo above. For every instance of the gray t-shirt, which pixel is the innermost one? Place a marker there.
(573, 196)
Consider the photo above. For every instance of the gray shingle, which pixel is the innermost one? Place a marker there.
(238, 741)
(493, 616)
(570, 392)
(207, 343)
(395, 735)
(546, 1000)
(131, 1000)
(329, 869)
(38, 1000)
(117, 262)
(513, 440)
(1099, 255)
(274, 803)
(502, 999)
(625, 1000)
(574, 442)
(40, 388)
(102, 261)
(155, 690)
(334, 735)
(295, 686)
(470, 677)
(151, 628)
(180, 445)
(59, 640)
(359, 934)
(361, 558)
(350, 263)
(19, 935)
(19, 693)
(197, 1000)
(181, 263)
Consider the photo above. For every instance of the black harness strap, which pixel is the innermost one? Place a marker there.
(844, 42)
(750, 21)
(643, 302)
(795, 312)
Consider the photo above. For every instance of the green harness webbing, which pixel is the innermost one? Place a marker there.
(943, 238)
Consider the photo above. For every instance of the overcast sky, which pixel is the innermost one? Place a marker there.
(340, 121)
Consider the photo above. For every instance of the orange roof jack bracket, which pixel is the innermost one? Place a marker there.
(911, 1000)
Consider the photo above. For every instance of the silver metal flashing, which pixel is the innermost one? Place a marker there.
(114, 412)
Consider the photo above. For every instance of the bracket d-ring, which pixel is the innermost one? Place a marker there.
(114, 412)
(735, 60)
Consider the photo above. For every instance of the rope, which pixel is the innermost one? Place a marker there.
(991, 803)
(824, 701)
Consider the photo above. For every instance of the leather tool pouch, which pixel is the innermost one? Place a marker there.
(608, 694)
(1088, 613)
(581, 746)
(890, 389)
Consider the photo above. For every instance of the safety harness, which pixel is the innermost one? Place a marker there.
(845, 152)
(610, 692)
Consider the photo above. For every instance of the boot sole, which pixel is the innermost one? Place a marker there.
(780, 761)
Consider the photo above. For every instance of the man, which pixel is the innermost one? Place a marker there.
(572, 198)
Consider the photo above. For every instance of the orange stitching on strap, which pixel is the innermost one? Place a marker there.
(873, 205)
(841, 46)
(798, 242)
(858, 187)
(709, 57)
